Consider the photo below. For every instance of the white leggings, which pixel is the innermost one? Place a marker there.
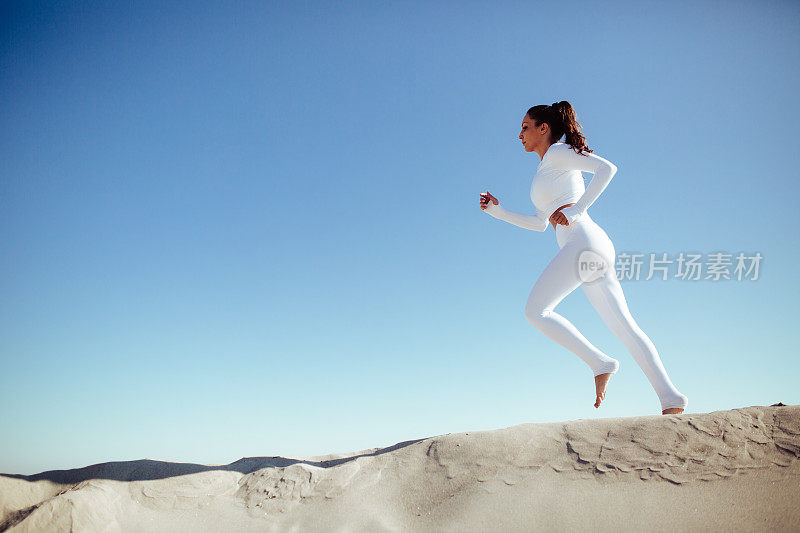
(581, 242)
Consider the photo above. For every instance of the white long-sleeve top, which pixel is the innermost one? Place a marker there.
(558, 181)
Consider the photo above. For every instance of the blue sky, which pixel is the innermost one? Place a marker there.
(253, 229)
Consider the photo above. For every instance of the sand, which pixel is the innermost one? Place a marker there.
(736, 470)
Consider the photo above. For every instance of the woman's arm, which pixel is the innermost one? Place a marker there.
(536, 222)
(603, 171)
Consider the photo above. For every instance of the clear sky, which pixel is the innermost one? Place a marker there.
(252, 228)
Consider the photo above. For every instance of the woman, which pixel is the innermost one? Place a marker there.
(586, 256)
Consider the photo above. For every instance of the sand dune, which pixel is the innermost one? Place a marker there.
(735, 470)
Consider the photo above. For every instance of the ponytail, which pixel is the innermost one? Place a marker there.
(561, 118)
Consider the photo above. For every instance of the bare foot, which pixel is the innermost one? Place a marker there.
(672, 411)
(600, 382)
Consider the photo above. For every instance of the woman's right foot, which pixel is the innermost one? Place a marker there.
(680, 399)
(600, 382)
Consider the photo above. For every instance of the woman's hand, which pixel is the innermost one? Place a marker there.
(571, 213)
(486, 197)
(558, 217)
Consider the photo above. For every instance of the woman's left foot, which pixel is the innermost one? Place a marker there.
(600, 382)
(672, 411)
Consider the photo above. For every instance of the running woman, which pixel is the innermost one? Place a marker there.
(586, 256)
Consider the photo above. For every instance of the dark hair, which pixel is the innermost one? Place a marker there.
(561, 118)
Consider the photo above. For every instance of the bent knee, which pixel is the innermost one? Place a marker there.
(537, 315)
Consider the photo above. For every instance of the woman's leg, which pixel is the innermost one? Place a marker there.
(607, 297)
(558, 279)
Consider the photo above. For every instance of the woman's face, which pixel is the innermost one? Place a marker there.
(533, 137)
